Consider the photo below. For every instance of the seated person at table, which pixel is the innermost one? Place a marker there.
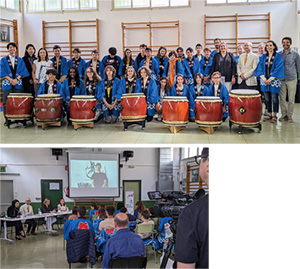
(108, 223)
(51, 86)
(145, 220)
(219, 90)
(80, 223)
(26, 210)
(125, 211)
(47, 208)
(139, 208)
(13, 212)
(74, 213)
(124, 244)
(94, 209)
(62, 207)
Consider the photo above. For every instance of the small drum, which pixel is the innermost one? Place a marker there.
(208, 111)
(48, 107)
(175, 110)
(245, 107)
(134, 107)
(83, 109)
(19, 106)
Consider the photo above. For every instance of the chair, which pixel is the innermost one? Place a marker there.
(144, 229)
(133, 262)
(156, 223)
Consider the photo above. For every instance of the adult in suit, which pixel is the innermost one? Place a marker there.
(246, 66)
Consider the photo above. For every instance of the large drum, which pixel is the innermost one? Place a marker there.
(208, 111)
(175, 110)
(83, 109)
(19, 106)
(245, 107)
(134, 107)
(48, 107)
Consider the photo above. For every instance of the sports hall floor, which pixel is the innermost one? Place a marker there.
(154, 133)
(46, 251)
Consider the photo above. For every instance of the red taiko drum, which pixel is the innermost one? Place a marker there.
(208, 111)
(175, 110)
(83, 108)
(19, 106)
(48, 107)
(245, 107)
(134, 107)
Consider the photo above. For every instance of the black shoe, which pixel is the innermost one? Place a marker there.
(18, 237)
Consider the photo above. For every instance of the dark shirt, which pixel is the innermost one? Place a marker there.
(192, 234)
(46, 209)
(139, 59)
(12, 212)
(99, 179)
(108, 93)
(131, 217)
(123, 244)
(114, 62)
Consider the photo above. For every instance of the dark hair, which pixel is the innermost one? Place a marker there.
(143, 46)
(95, 51)
(77, 77)
(82, 211)
(13, 203)
(173, 52)
(112, 69)
(13, 44)
(112, 51)
(121, 223)
(76, 50)
(274, 44)
(167, 87)
(207, 49)
(287, 38)
(102, 214)
(26, 52)
(94, 205)
(120, 205)
(149, 49)
(96, 79)
(51, 71)
(140, 206)
(131, 62)
(110, 210)
(74, 210)
(56, 47)
(146, 214)
(198, 45)
(151, 210)
(200, 76)
(123, 210)
(179, 48)
(189, 49)
(158, 52)
(217, 39)
(39, 57)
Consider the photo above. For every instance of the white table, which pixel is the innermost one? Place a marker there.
(37, 216)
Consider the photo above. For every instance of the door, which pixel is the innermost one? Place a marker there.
(53, 190)
(7, 194)
(131, 187)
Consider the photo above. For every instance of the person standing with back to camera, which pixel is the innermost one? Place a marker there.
(191, 247)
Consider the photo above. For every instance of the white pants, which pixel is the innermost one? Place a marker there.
(227, 84)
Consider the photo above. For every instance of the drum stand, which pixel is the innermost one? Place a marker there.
(241, 126)
(174, 128)
(208, 129)
(127, 123)
(80, 125)
(46, 124)
(23, 121)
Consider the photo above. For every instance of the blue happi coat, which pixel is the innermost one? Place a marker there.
(154, 68)
(120, 64)
(81, 67)
(277, 71)
(178, 69)
(79, 90)
(99, 67)
(188, 74)
(5, 71)
(187, 94)
(122, 88)
(207, 71)
(152, 95)
(59, 89)
(78, 224)
(63, 66)
(223, 94)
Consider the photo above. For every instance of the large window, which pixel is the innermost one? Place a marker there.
(119, 4)
(61, 5)
(10, 4)
(212, 2)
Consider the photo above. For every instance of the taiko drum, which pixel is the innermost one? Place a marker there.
(134, 107)
(83, 108)
(19, 106)
(208, 111)
(245, 107)
(175, 110)
(48, 107)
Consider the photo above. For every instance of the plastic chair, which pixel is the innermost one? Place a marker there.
(133, 262)
(144, 229)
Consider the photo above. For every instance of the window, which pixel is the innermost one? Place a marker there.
(210, 2)
(61, 5)
(119, 4)
(10, 4)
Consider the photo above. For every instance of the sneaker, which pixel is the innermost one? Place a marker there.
(290, 120)
(283, 118)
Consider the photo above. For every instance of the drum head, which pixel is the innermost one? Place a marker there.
(176, 98)
(245, 92)
(128, 95)
(208, 98)
(80, 97)
(49, 96)
(19, 94)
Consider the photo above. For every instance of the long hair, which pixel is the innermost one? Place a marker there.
(77, 77)
(130, 58)
(158, 53)
(26, 54)
(112, 69)
(96, 78)
(140, 206)
(179, 75)
(39, 57)
(167, 87)
(274, 44)
(147, 70)
(200, 76)
(129, 67)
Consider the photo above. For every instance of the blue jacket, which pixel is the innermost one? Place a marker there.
(188, 72)
(122, 88)
(152, 93)
(80, 243)
(81, 67)
(64, 65)
(5, 71)
(59, 89)
(123, 245)
(186, 93)
(115, 90)
(103, 237)
(178, 69)
(207, 71)
(100, 67)
(78, 224)
(119, 70)
(66, 91)
(154, 68)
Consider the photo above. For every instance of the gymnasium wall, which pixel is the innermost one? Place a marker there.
(284, 21)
